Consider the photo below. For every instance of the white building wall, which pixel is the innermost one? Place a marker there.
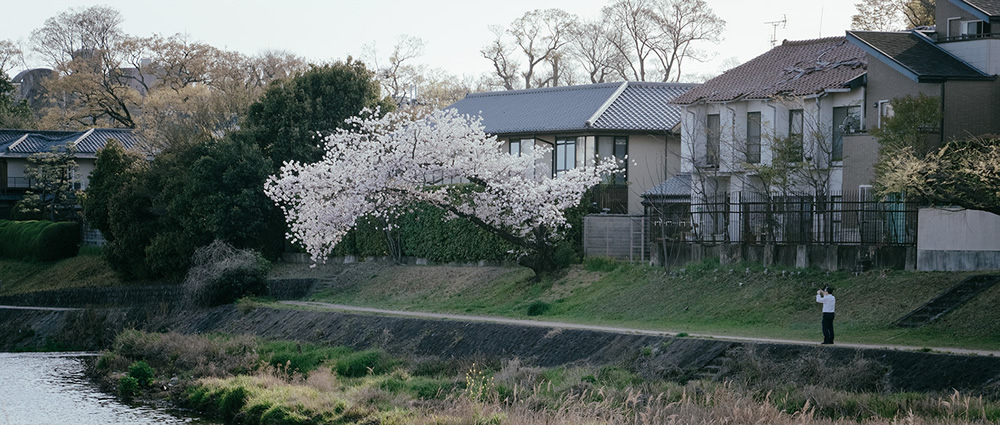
(957, 240)
(983, 54)
(817, 118)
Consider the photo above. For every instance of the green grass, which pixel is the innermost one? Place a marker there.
(85, 270)
(738, 300)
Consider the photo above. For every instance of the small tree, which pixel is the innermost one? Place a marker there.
(380, 166)
(53, 185)
(963, 173)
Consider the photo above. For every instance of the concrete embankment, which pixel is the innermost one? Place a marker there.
(662, 356)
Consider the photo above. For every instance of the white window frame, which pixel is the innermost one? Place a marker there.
(963, 29)
(884, 110)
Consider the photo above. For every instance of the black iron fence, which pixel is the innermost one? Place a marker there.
(843, 218)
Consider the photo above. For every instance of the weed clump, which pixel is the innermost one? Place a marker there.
(221, 274)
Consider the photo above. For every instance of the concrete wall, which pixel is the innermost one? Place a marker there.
(956, 240)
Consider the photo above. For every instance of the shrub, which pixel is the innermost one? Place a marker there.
(302, 357)
(232, 402)
(362, 363)
(538, 308)
(143, 373)
(221, 274)
(128, 387)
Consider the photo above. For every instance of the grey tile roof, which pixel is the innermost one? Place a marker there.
(23, 143)
(628, 106)
(795, 68)
(914, 54)
(678, 186)
(989, 7)
(644, 106)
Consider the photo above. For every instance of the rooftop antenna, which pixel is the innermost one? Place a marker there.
(774, 28)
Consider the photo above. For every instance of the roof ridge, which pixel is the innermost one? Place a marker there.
(812, 41)
(544, 89)
(883, 52)
(82, 136)
(607, 104)
(17, 142)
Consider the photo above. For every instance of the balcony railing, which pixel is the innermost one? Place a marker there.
(967, 37)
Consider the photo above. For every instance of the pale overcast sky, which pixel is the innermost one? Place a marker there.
(454, 31)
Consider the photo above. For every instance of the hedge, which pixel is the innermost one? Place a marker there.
(38, 240)
(425, 233)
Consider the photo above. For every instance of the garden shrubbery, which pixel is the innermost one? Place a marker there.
(221, 274)
(38, 240)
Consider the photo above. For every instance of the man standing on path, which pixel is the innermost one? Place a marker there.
(825, 296)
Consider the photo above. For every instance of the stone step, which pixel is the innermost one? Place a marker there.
(948, 301)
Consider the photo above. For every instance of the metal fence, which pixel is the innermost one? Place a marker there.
(844, 218)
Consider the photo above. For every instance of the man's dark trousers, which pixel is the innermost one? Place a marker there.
(828, 328)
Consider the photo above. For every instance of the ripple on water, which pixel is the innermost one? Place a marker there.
(50, 388)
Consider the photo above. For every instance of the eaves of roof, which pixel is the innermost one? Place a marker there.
(982, 9)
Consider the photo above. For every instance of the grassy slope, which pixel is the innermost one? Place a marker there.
(85, 270)
(700, 299)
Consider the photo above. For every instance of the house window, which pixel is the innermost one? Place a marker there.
(520, 146)
(846, 120)
(795, 135)
(565, 154)
(614, 147)
(753, 137)
(884, 111)
(713, 131)
(971, 29)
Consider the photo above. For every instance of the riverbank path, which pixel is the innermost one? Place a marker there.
(566, 325)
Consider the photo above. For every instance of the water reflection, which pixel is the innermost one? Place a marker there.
(50, 388)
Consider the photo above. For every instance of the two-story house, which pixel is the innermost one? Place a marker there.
(791, 105)
(632, 121)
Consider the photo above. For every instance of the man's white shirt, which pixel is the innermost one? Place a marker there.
(829, 302)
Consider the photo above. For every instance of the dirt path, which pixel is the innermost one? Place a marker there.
(565, 325)
(20, 307)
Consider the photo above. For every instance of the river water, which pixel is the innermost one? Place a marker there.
(50, 388)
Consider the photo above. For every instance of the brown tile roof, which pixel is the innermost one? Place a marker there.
(795, 68)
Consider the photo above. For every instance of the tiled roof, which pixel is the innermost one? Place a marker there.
(914, 55)
(989, 7)
(678, 186)
(606, 106)
(22, 143)
(795, 68)
(644, 106)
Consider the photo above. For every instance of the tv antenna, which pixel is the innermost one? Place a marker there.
(774, 28)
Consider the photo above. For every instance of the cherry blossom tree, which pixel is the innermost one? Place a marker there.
(380, 166)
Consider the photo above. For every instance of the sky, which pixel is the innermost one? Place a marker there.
(454, 31)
